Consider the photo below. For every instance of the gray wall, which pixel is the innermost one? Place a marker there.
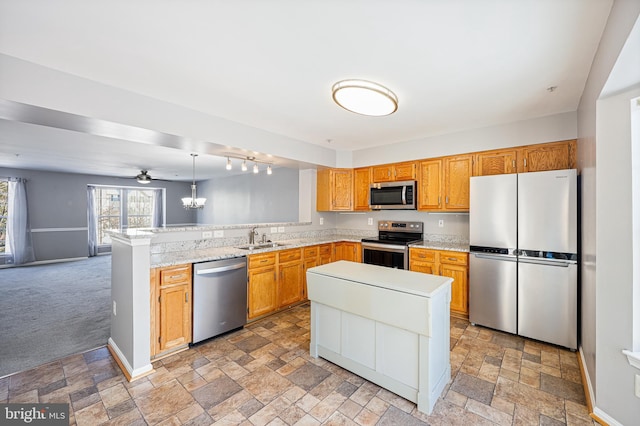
(57, 205)
(604, 160)
(250, 198)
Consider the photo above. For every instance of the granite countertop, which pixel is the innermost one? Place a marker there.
(217, 253)
(443, 245)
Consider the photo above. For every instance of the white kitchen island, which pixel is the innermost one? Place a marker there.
(387, 325)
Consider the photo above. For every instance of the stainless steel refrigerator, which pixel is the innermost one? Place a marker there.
(523, 260)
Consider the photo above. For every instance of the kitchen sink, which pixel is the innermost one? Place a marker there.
(261, 246)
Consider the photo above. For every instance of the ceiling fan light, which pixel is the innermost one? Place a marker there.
(365, 97)
(143, 177)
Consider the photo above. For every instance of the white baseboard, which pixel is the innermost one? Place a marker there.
(131, 373)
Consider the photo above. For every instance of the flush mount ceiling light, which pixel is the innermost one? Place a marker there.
(193, 202)
(143, 177)
(364, 97)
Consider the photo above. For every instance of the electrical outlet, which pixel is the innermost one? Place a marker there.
(280, 228)
(441, 223)
(114, 312)
(218, 234)
(322, 221)
(207, 234)
(638, 385)
(370, 221)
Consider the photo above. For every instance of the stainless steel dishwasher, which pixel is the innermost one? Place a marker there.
(219, 297)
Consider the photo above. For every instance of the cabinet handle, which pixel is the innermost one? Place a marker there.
(173, 277)
(186, 297)
(525, 162)
(439, 199)
(453, 259)
(446, 199)
(513, 163)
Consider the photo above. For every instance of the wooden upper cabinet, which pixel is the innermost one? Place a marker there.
(334, 190)
(395, 172)
(362, 180)
(457, 173)
(430, 185)
(548, 156)
(495, 162)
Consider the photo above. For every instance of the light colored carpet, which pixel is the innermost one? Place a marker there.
(51, 311)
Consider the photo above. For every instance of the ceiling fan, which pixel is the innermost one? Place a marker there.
(143, 177)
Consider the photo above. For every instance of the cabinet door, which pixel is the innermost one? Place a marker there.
(323, 190)
(342, 188)
(175, 316)
(308, 263)
(290, 283)
(404, 171)
(459, 287)
(430, 185)
(382, 173)
(495, 163)
(548, 156)
(424, 267)
(262, 291)
(345, 250)
(362, 180)
(457, 173)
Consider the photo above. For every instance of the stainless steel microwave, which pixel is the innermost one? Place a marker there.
(393, 195)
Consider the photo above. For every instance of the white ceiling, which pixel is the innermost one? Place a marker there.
(270, 65)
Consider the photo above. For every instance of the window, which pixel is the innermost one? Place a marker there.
(4, 213)
(123, 208)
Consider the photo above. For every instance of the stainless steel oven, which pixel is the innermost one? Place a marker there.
(391, 248)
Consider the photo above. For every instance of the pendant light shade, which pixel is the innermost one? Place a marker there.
(193, 202)
(365, 97)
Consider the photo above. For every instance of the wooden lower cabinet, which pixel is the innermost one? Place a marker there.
(290, 279)
(346, 250)
(447, 264)
(262, 285)
(275, 281)
(171, 308)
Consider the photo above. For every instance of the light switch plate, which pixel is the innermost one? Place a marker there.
(274, 229)
(637, 384)
(441, 223)
(370, 221)
(218, 234)
(280, 228)
(322, 221)
(206, 234)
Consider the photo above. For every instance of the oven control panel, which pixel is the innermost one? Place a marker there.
(390, 225)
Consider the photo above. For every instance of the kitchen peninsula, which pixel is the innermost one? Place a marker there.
(390, 326)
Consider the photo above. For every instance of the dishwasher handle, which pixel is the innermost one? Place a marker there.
(221, 269)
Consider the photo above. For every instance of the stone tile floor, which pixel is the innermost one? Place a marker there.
(263, 375)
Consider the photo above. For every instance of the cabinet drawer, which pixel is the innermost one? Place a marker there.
(289, 255)
(453, 258)
(259, 260)
(175, 274)
(422, 255)
(310, 252)
(325, 250)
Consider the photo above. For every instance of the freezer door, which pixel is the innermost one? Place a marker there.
(548, 301)
(493, 291)
(493, 211)
(547, 211)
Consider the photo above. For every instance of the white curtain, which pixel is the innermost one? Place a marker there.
(157, 211)
(19, 242)
(92, 221)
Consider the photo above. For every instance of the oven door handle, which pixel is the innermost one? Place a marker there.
(384, 247)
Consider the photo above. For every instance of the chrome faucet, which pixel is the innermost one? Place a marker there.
(252, 235)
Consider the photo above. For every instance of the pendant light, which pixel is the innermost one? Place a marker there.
(193, 202)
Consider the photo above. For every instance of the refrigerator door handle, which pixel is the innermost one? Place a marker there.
(504, 257)
(548, 262)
